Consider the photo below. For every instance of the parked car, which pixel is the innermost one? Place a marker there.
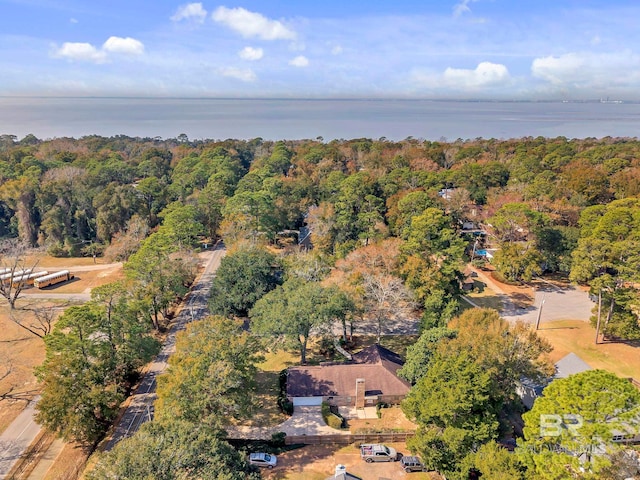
(375, 452)
(412, 464)
(263, 460)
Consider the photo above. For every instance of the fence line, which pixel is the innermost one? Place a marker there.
(348, 439)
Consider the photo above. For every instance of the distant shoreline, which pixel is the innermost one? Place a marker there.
(323, 99)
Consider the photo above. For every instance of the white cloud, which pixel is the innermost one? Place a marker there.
(589, 70)
(337, 50)
(486, 74)
(250, 53)
(244, 74)
(190, 11)
(299, 61)
(126, 46)
(462, 7)
(80, 51)
(86, 52)
(252, 24)
(73, 20)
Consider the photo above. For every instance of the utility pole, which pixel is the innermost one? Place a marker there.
(540, 312)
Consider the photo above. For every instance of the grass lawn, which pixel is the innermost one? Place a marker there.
(485, 299)
(576, 336)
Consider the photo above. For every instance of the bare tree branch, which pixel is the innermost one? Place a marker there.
(14, 268)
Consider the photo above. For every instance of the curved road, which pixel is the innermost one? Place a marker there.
(140, 408)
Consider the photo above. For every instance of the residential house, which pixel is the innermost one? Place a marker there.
(370, 377)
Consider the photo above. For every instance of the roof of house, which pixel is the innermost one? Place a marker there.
(376, 364)
(343, 476)
(569, 365)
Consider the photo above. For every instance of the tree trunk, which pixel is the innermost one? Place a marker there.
(303, 351)
(599, 315)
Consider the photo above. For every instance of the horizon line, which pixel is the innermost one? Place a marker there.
(328, 98)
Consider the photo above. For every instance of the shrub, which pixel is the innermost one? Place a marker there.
(379, 407)
(277, 439)
(285, 405)
(334, 420)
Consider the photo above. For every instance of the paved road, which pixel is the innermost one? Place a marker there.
(569, 303)
(17, 437)
(140, 409)
(23, 430)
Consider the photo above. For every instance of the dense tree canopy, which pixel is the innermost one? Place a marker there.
(210, 378)
(173, 450)
(242, 279)
(570, 428)
(608, 259)
(91, 355)
(294, 309)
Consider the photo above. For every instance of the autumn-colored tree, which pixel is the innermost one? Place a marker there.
(369, 273)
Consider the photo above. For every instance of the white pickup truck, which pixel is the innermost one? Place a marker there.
(375, 452)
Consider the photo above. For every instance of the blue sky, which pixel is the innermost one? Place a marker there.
(477, 49)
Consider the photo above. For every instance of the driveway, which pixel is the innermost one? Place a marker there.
(306, 420)
(568, 303)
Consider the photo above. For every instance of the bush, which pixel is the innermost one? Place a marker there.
(379, 407)
(285, 405)
(334, 420)
(277, 439)
(327, 347)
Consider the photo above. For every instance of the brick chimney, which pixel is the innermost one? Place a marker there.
(359, 392)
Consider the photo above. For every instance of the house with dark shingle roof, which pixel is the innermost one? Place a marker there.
(370, 377)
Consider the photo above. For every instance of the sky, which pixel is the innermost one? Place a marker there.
(457, 49)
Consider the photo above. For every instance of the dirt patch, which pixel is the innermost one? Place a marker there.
(70, 463)
(575, 336)
(318, 462)
(489, 289)
(392, 420)
(21, 351)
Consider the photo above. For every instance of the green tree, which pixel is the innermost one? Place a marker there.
(161, 275)
(454, 409)
(432, 264)
(242, 279)
(578, 414)
(516, 221)
(508, 352)
(211, 375)
(292, 310)
(420, 353)
(608, 259)
(180, 223)
(91, 356)
(494, 462)
(173, 450)
(153, 194)
(518, 261)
